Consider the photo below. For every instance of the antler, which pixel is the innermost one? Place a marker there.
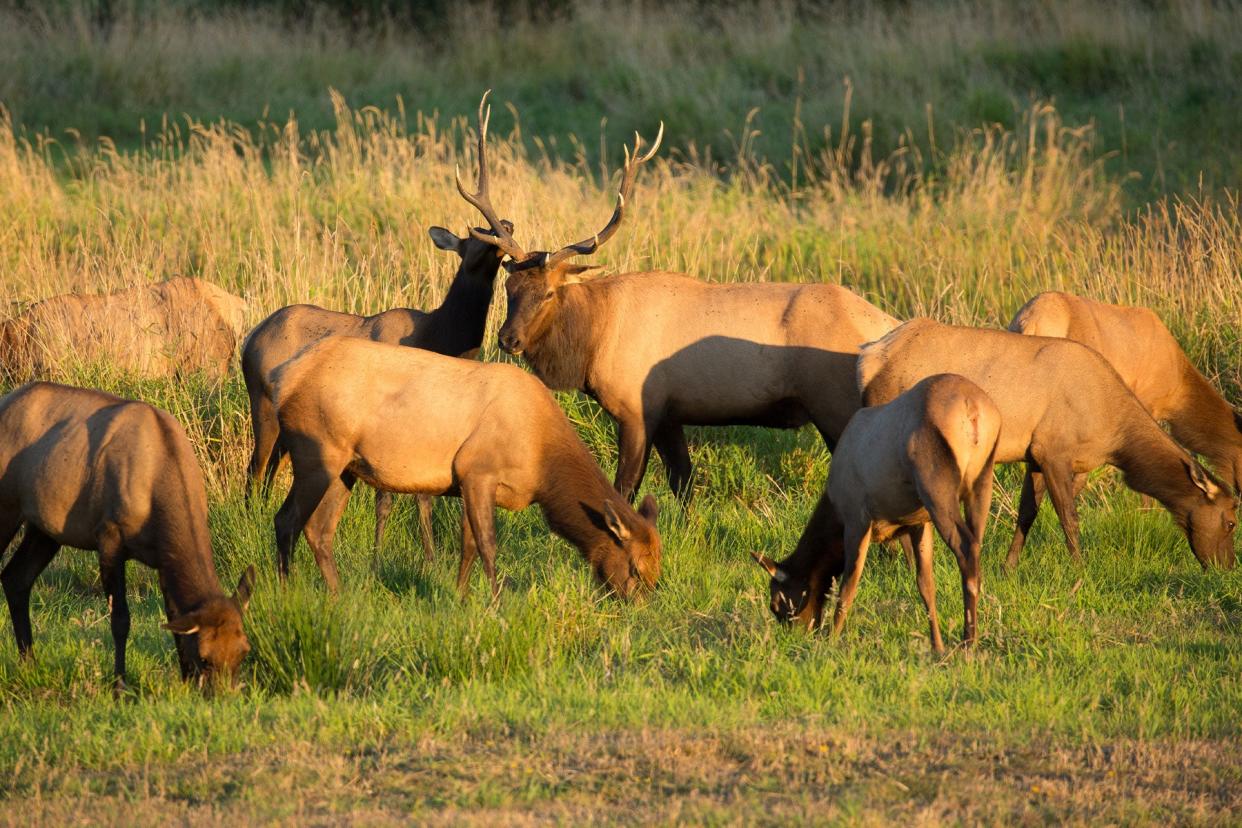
(632, 163)
(503, 238)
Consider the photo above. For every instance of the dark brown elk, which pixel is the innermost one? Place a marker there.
(408, 420)
(899, 468)
(1064, 412)
(1153, 366)
(89, 470)
(662, 350)
(454, 328)
(163, 329)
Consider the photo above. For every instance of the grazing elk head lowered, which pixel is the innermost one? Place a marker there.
(219, 642)
(536, 278)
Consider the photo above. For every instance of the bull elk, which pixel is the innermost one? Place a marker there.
(408, 420)
(899, 468)
(1153, 366)
(661, 350)
(454, 328)
(1065, 412)
(164, 329)
(89, 470)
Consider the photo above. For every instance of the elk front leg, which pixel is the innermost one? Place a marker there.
(1028, 510)
(478, 498)
(634, 446)
(33, 555)
(856, 543)
(1060, 481)
(321, 528)
(112, 573)
(304, 496)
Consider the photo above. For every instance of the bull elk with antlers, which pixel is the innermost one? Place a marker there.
(662, 350)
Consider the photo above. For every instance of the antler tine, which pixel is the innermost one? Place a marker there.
(481, 200)
(632, 162)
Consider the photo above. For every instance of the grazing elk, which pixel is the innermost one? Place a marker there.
(661, 350)
(898, 468)
(408, 420)
(89, 470)
(454, 328)
(1153, 366)
(164, 329)
(1064, 412)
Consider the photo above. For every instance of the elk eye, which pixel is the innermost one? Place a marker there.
(548, 295)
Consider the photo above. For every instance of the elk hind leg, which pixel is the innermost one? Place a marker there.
(1028, 509)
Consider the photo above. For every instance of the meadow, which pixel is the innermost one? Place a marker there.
(1106, 691)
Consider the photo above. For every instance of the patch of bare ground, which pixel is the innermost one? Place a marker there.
(780, 775)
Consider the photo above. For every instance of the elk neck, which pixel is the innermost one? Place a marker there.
(573, 493)
(1207, 424)
(561, 353)
(457, 326)
(1154, 465)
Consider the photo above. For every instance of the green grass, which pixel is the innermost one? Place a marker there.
(1102, 692)
(1157, 81)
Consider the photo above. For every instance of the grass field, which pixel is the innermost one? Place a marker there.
(1108, 691)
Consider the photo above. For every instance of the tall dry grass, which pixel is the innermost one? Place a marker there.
(339, 218)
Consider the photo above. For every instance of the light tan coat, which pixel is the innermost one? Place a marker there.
(1152, 365)
(1064, 412)
(407, 420)
(160, 330)
(662, 350)
(86, 469)
(901, 467)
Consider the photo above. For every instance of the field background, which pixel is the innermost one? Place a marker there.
(950, 159)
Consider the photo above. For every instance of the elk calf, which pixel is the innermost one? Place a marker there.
(163, 329)
(660, 351)
(1153, 366)
(454, 328)
(407, 420)
(89, 470)
(1064, 412)
(898, 468)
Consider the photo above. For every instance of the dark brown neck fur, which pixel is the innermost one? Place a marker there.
(457, 326)
(561, 355)
(1156, 466)
(181, 538)
(1207, 424)
(573, 494)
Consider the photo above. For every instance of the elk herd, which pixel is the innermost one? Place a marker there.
(915, 415)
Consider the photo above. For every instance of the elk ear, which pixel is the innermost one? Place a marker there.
(770, 566)
(444, 239)
(649, 509)
(185, 625)
(1201, 479)
(244, 587)
(612, 519)
(575, 273)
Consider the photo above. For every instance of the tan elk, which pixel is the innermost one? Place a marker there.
(454, 328)
(408, 420)
(1152, 365)
(164, 329)
(899, 468)
(89, 470)
(1064, 412)
(661, 350)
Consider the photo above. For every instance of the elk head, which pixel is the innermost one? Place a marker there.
(536, 279)
(1210, 522)
(218, 641)
(476, 256)
(629, 562)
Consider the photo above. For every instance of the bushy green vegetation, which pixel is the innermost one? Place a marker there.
(396, 698)
(1158, 81)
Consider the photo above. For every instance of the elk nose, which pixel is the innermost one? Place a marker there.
(510, 344)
